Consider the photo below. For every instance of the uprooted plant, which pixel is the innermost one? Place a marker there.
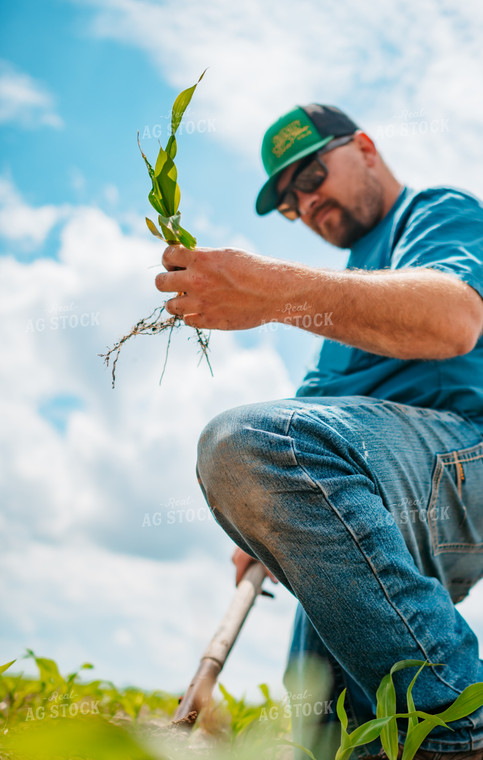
(164, 197)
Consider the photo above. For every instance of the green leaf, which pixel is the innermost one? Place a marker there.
(287, 742)
(362, 735)
(168, 226)
(72, 676)
(165, 194)
(425, 716)
(168, 233)
(177, 198)
(156, 203)
(49, 672)
(170, 192)
(341, 713)
(160, 162)
(3, 668)
(389, 739)
(386, 706)
(181, 104)
(386, 697)
(231, 701)
(468, 701)
(413, 722)
(170, 221)
(153, 229)
(418, 735)
(165, 178)
(171, 172)
(185, 238)
(369, 731)
(148, 165)
(171, 147)
(386, 693)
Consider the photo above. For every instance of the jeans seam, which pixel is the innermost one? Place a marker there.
(317, 486)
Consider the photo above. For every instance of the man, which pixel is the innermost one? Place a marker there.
(364, 494)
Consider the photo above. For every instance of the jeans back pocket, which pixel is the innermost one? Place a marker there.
(455, 509)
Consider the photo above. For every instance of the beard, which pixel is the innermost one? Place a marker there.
(343, 226)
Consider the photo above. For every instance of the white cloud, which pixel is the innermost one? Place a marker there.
(24, 100)
(375, 60)
(22, 224)
(75, 501)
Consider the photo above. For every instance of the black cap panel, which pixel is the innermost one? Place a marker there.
(330, 120)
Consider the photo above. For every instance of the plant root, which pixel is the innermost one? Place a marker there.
(153, 325)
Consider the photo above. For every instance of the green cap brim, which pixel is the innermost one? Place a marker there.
(267, 198)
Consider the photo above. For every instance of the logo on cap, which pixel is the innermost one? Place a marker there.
(284, 139)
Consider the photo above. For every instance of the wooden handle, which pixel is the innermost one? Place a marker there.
(200, 689)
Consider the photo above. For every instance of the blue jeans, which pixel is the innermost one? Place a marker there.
(371, 514)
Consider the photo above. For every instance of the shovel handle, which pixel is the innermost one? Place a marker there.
(201, 687)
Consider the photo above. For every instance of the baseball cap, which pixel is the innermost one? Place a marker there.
(295, 135)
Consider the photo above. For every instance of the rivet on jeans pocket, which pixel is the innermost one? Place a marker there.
(460, 475)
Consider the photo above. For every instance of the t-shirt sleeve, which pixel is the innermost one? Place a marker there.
(445, 232)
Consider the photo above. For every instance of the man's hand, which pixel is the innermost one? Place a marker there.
(223, 288)
(242, 560)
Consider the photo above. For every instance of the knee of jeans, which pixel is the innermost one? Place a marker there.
(231, 464)
(219, 446)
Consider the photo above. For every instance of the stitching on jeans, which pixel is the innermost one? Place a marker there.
(318, 486)
(450, 458)
(315, 486)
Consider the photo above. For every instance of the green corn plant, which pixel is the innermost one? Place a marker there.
(165, 194)
(419, 723)
(128, 723)
(164, 197)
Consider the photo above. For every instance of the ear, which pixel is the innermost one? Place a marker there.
(364, 143)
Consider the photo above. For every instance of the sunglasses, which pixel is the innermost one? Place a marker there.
(307, 178)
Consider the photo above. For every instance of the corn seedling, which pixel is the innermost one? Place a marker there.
(164, 197)
(419, 723)
(61, 716)
(52, 715)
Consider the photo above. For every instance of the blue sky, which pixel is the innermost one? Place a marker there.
(85, 578)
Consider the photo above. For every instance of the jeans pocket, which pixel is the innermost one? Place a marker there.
(455, 508)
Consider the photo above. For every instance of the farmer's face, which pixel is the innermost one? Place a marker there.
(350, 201)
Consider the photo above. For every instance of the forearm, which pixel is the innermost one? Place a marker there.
(407, 313)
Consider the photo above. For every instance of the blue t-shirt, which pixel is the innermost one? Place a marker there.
(441, 228)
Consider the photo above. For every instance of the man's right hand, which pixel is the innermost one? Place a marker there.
(241, 560)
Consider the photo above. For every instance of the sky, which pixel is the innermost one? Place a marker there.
(109, 552)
